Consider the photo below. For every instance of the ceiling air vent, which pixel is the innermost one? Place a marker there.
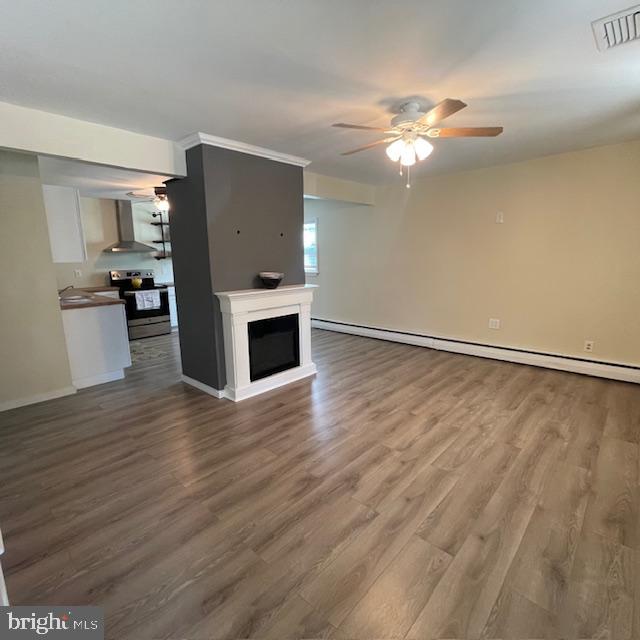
(617, 29)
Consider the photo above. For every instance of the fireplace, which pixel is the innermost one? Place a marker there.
(274, 346)
(267, 339)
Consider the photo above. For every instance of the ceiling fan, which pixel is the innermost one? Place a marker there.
(158, 196)
(410, 128)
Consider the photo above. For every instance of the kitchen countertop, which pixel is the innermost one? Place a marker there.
(93, 300)
(104, 287)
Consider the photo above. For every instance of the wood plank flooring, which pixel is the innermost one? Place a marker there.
(402, 493)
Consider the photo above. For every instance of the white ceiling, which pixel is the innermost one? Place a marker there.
(277, 73)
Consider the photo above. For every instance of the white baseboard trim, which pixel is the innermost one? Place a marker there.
(101, 378)
(216, 393)
(612, 371)
(255, 388)
(39, 397)
(272, 382)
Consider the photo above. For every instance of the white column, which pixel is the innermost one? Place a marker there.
(305, 333)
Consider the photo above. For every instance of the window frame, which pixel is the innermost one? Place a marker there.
(316, 271)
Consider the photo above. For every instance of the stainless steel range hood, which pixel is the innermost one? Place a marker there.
(126, 242)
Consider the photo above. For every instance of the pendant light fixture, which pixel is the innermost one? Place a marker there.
(161, 202)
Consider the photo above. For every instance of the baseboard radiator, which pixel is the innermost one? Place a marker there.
(611, 370)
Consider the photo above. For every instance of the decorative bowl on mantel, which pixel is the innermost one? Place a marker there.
(270, 279)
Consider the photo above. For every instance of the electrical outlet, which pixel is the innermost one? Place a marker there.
(500, 217)
(77, 273)
(588, 346)
(494, 323)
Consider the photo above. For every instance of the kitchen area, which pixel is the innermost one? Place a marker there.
(112, 260)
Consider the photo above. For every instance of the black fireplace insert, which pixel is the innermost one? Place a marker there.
(274, 346)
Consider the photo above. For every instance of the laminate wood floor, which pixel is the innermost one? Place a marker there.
(402, 493)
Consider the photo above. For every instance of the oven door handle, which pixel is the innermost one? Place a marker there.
(133, 293)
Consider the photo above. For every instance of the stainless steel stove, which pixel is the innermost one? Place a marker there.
(143, 320)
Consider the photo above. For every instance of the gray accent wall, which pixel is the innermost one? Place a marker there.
(192, 275)
(233, 216)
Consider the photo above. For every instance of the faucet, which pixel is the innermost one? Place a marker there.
(61, 291)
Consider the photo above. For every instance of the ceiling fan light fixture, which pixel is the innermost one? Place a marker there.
(394, 150)
(407, 151)
(422, 147)
(408, 156)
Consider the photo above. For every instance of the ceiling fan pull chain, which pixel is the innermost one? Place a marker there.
(408, 177)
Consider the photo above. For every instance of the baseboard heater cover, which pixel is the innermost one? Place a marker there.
(611, 370)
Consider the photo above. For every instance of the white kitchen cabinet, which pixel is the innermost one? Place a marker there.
(173, 307)
(4, 598)
(97, 343)
(62, 206)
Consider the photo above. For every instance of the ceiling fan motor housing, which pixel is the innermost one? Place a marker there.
(409, 114)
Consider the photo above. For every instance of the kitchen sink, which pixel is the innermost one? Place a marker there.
(74, 298)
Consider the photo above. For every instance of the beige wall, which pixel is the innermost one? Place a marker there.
(319, 186)
(100, 231)
(33, 352)
(563, 268)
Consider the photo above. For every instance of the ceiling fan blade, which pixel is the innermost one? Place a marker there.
(344, 125)
(465, 132)
(442, 110)
(371, 144)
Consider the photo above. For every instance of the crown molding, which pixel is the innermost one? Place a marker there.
(195, 139)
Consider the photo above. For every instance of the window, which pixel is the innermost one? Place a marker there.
(310, 242)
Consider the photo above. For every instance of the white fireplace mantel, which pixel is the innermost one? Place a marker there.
(239, 308)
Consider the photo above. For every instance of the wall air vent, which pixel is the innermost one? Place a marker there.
(617, 29)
